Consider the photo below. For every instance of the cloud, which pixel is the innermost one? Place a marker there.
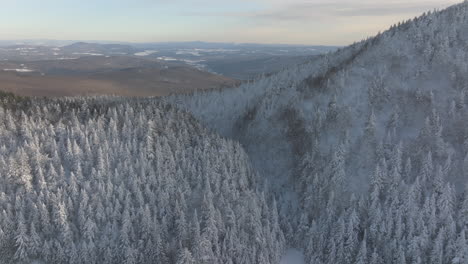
(280, 10)
(329, 22)
(384, 9)
(334, 22)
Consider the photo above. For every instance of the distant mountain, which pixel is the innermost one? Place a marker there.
(83, 48)
(54, 42)
(227, 45)
(37, 42)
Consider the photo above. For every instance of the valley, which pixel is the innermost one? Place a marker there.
(231, 153)
(105, 76)
(140, 70)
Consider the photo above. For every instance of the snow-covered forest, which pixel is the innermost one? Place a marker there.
(359, 156)
(99, 181)
(365, 149)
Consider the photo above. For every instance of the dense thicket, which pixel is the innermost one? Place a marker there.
(100, 181)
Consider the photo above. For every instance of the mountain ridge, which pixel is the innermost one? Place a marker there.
(358, 156)
(384, 109)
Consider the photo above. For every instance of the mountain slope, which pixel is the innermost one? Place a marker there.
(365, 137)
(371, 76)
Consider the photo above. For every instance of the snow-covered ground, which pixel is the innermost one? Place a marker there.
(88, 53)
(292, 256)
(188, 52)
(164, 58)
(145, 53)
(19, 70)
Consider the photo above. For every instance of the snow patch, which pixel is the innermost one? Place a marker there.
(145, 53)
(19, 70)
(66, 58)
(88, 53)
(164, 58)
(25, 49)
(292, 256)
(221, 50)
(188, 52)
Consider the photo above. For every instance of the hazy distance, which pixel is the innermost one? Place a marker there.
(312, 22)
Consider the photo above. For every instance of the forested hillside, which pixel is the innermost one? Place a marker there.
(123, 181)
(360, 156)
(365, 148)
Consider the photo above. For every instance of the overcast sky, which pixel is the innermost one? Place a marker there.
(320, 22)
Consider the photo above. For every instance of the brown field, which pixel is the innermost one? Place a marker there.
(106, 76)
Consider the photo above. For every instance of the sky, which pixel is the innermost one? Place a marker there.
(313, 22)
